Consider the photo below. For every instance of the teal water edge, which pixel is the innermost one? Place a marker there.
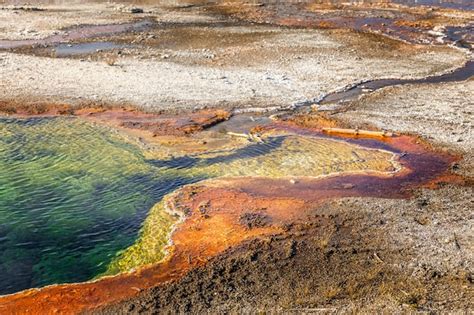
(72, 195)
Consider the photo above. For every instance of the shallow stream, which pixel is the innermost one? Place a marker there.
(354, 92)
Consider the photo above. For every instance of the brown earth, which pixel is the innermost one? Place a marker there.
(350, 255)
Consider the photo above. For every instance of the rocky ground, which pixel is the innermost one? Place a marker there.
(201, 59)
(353, 254)
(301, 70)
(444, 116)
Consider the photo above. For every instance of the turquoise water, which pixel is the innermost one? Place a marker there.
(71, 196)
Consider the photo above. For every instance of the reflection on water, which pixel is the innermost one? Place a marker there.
(63, 50)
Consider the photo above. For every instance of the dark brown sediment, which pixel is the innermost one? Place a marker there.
(347, 255)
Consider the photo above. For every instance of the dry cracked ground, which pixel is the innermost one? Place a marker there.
(354, 254)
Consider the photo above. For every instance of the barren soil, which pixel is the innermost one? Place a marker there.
(196, 62)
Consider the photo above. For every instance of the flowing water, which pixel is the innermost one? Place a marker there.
(354, 92)
(75, 197)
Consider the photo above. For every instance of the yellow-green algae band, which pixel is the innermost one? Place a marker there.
(276, 157)
(150, 247)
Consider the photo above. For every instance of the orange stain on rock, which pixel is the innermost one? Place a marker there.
(121, 116)
(159, 124)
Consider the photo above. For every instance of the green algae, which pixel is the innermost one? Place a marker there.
(280, 156)
(150, 247)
